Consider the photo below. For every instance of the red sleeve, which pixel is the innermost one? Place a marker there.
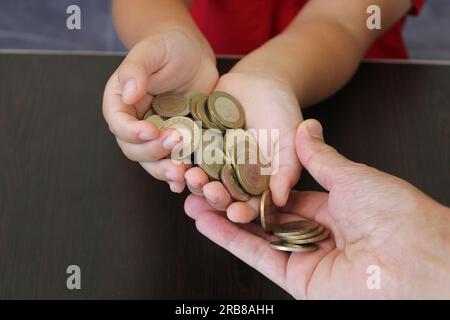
(416, 7)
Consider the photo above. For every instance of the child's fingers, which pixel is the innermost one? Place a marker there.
(243, 212)
(195, 205)
(143, 105)
(177, 187)
(288, 172)
(153, 150)
(216, 195)
(165, 170)
(196, 179)
(122, 118)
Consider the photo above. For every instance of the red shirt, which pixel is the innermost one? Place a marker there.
(240, 26)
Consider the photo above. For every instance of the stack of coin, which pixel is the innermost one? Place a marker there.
(296, 236)
(230, 156)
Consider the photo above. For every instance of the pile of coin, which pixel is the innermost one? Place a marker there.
(205, 121)
(296, 236)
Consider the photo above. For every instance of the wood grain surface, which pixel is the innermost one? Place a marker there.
(69, 196)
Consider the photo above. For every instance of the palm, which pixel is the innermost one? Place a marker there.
(362, 236)
(269, 105)
(338, 268)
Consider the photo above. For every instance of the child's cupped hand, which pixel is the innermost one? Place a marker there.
(169, 61)
(269, 104)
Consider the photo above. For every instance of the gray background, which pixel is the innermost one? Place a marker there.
(41, 24)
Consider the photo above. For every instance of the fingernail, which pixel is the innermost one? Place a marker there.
(172, 140)
(129, 90)
(195, 185)
(145, 136)
(171, 176)
(171, 186)
(315, 129)
(214, 200)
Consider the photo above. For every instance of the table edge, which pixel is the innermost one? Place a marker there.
(123, 53)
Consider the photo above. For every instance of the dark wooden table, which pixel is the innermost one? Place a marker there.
(68, 195)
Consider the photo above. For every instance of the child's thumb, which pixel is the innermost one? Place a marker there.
(135, 71)
(133, 81)
(322, 161)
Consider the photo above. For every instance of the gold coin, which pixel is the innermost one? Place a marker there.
(203, 115)
(267, 211)
(243, 152)
(215, 123)
(195, 99)
(212, 169)
(191, 136)
(295, 228)
(312, 234)
(250, 174)
(230, 181)
(284, 246)
(315, 239)
(234, 139)
(148, 114)
(226, 110)
(155, 119)
(210, 157)
(171, 105)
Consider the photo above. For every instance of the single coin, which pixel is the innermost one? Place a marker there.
(204, 116)
(230, 181)
(315, 239)
(226, 110)
(210, 156)
(148, 114)
(290, 238)
(295, 228)
(155, 119)
(171, 105)
(191, 136)
(214, 121)
(284, 246)
(250, 174)
(238, 138)
(212, 137)
(267, 211)
(194, 103)
(211, 161)
(242, 152)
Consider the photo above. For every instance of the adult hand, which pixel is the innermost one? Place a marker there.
(268, 103)
(376, 220)
(169, 61)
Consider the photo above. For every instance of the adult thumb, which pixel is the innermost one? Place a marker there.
(323, 162)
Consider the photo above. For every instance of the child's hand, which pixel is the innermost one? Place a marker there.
(268, 104)
(169, 61)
